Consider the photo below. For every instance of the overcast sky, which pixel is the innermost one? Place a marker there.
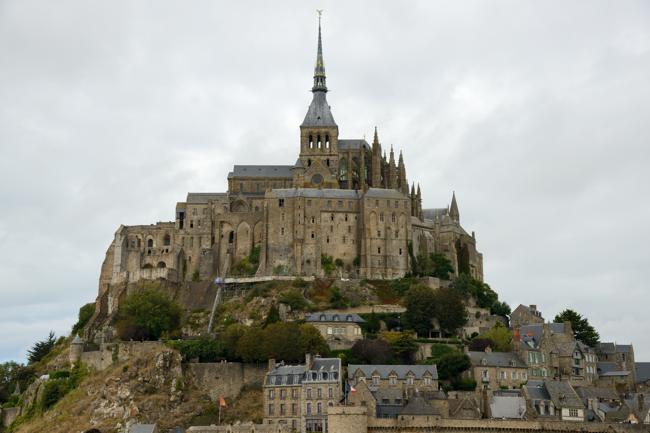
(536, 113)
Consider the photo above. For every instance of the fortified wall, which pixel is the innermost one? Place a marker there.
(353, 419)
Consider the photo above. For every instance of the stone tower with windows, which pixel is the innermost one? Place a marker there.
(317, 165)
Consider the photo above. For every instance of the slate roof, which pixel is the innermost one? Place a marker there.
(261, 171)
(563, 395)
(537, 391)
(384, 193)
(351, 144)
(608, 369)
(333, 317)
(391, 394)
(508, 405)
(319, 112)
(315, 193)
(586, 392)
(433, 214)
(642, 371)
(417, 405)
(204, 197)
(286, 375)
(531, 335)
(496, 359)
(611, 348)
(400, 370)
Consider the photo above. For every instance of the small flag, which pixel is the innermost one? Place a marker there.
(222, 402)
(353, 389)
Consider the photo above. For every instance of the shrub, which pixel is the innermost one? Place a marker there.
(294, 299)
(254, 256)
(463, 384)
(327, 263)
(85, 313)
(299, 283)
(196, 277)
(377, 351)
(53, 391)
(61, 374)
(205, 349)
(451, 365)
(338, 263)
(148, 314)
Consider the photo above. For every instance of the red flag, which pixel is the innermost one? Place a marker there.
(222, 402)
(353, 389)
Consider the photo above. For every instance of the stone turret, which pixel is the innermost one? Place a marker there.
(76, 349)
(376, 162)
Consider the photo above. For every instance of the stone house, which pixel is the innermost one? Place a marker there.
(550, 351)
(539, 402)
(340, 330)
(525, 315)
(610, 375)
(497, 370)
(622, 356)
(565, 400)
(298, 395)
(601, 403)
(639, 405)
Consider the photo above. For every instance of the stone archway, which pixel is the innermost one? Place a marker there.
(243, 241)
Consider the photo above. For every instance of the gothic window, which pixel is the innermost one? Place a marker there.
(378, 250)
(327, 161)
(231, 237)
(327, 141)
(281, 202)
(320, 144)
(309, 162)
(392, 217)
(311, 143)
(150, 243)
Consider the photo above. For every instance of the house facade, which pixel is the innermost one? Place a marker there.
(340, 330)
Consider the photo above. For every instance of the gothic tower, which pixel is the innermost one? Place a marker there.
(319, 134)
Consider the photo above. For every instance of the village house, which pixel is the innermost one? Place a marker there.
(621, 359)
(497, 370)
(340, 330)
(525, 315)
(567, 403)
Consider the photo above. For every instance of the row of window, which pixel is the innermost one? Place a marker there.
(392, 380)
(341, 331)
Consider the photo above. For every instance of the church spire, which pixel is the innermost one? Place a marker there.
(453, 209)
(319, 70)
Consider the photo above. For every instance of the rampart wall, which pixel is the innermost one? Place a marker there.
(225, 379)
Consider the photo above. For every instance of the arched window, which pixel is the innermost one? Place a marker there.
(150, 243)
(162, 265)
(147, 266)
(231, 237)
(309, 163)
(311, 141)
(327, 162)
(327, 141)
(319, 143)
(167, 240)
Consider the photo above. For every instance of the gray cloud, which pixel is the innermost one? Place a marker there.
(535, 113)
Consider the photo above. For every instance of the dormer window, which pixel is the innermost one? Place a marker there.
(484, 361)
(322, 317)
(348, 318)
(335, 317)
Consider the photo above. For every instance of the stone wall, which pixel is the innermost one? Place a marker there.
(225, 379)
(110, 353)
(8, 415)
(240, 428)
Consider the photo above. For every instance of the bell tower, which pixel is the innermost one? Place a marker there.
(319, 133)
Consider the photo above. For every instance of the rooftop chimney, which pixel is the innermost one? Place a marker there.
(641, 399)
(271, 366)
(308, 361)
(516, 338)
(567, 328)
(533, 307)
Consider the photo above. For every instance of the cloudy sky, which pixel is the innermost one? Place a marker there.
(536, 113)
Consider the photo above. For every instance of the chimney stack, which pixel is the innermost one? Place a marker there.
(308, 361)
(516, 339)
(271, 366)
(567, 328)
(641, 399)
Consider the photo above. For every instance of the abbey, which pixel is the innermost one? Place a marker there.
(343, 201)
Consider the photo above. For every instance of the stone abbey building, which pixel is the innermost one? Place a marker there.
(342, 198)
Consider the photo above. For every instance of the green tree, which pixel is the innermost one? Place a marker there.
(85, 313)
(294, 299)
(449, 309)
(148, 314)
(452, 365)
(438, 350)
(372, 324)
(377, 351)
(230, 338)
(250, 347)
(402, 344)
(41, 348)
(204, 348)
(441, 266)
(273, 316)
(500, 309)
(500, 335)
(582, 330)
(310, 340)
(420, 309)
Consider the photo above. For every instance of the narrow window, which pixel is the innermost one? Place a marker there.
(281, 202)
(378, 250)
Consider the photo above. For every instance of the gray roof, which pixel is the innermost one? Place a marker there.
(536, 390)
(204, 197)
(391, 394)
(508, 405)
(345, 144)
(611, 348)
(563, 395)
(326, 364)
(417, 405)
(433, 214)
(384, 193)
(286, 375)
(642, 371)
(319, 113)
(531, 335)
(142, 428)
(600, 393)
(333, 317)
(610, 369)
(315, 193)
(261, 171)
(400, 370)
(496, 359)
